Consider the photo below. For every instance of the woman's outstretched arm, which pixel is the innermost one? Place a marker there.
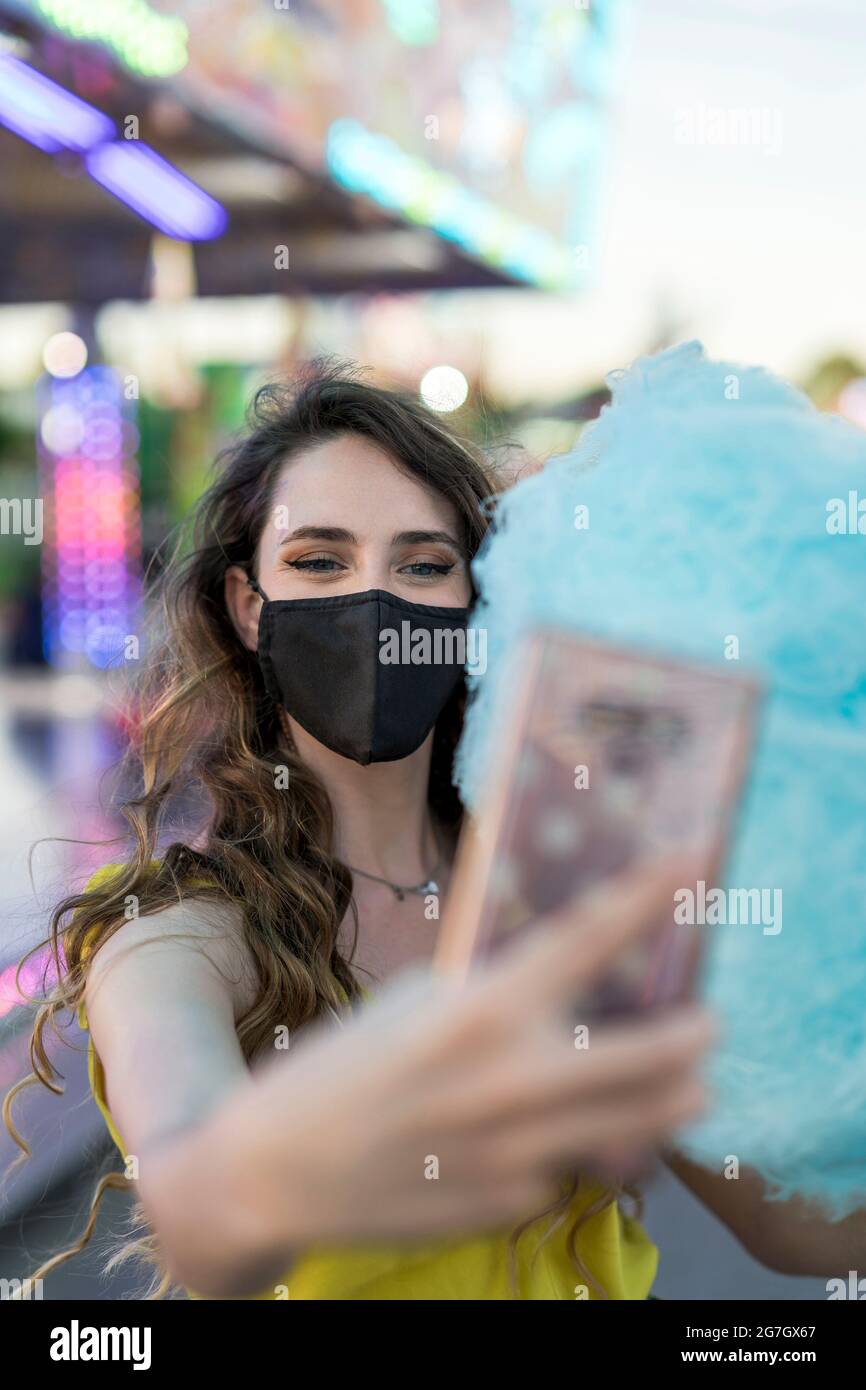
(238, 1170)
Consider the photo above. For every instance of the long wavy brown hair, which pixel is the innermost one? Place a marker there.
(202, 727)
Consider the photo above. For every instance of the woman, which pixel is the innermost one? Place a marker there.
(354, 1166)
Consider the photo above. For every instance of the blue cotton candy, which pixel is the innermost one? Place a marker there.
(708, 486)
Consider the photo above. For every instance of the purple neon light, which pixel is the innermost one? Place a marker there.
(151, 186)
(54, 119)
(47, 115)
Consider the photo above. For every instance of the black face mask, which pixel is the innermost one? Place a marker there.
(342, 667)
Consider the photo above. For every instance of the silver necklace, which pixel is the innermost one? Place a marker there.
(400, 890)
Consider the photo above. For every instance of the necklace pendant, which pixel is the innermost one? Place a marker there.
(401, 896)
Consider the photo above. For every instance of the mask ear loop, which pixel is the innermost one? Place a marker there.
(256, 587)
(281, 714)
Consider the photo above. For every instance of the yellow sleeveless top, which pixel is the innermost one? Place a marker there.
(612, 1246)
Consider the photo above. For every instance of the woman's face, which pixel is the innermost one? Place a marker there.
(343, 519)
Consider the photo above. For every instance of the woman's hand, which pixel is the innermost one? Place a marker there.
(445, 1107)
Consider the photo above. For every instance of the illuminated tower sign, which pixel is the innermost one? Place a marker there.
(92, 549)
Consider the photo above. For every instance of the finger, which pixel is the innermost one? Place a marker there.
(542, 1075)
(635, 1054)
(626, 1163)
(548, 1079)
(609, 1127)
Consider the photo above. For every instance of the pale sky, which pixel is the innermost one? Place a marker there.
(761, 255)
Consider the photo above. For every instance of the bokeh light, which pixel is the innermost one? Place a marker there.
(65, 355)
(444, 388)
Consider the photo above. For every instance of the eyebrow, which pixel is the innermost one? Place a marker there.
(340, 534)
(426, 538)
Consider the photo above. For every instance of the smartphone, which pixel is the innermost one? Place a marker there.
(607, 756)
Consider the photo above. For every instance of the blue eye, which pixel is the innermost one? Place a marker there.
(425, 569)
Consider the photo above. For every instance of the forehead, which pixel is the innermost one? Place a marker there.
(349, 481)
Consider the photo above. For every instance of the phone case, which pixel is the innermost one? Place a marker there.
(609, 756)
